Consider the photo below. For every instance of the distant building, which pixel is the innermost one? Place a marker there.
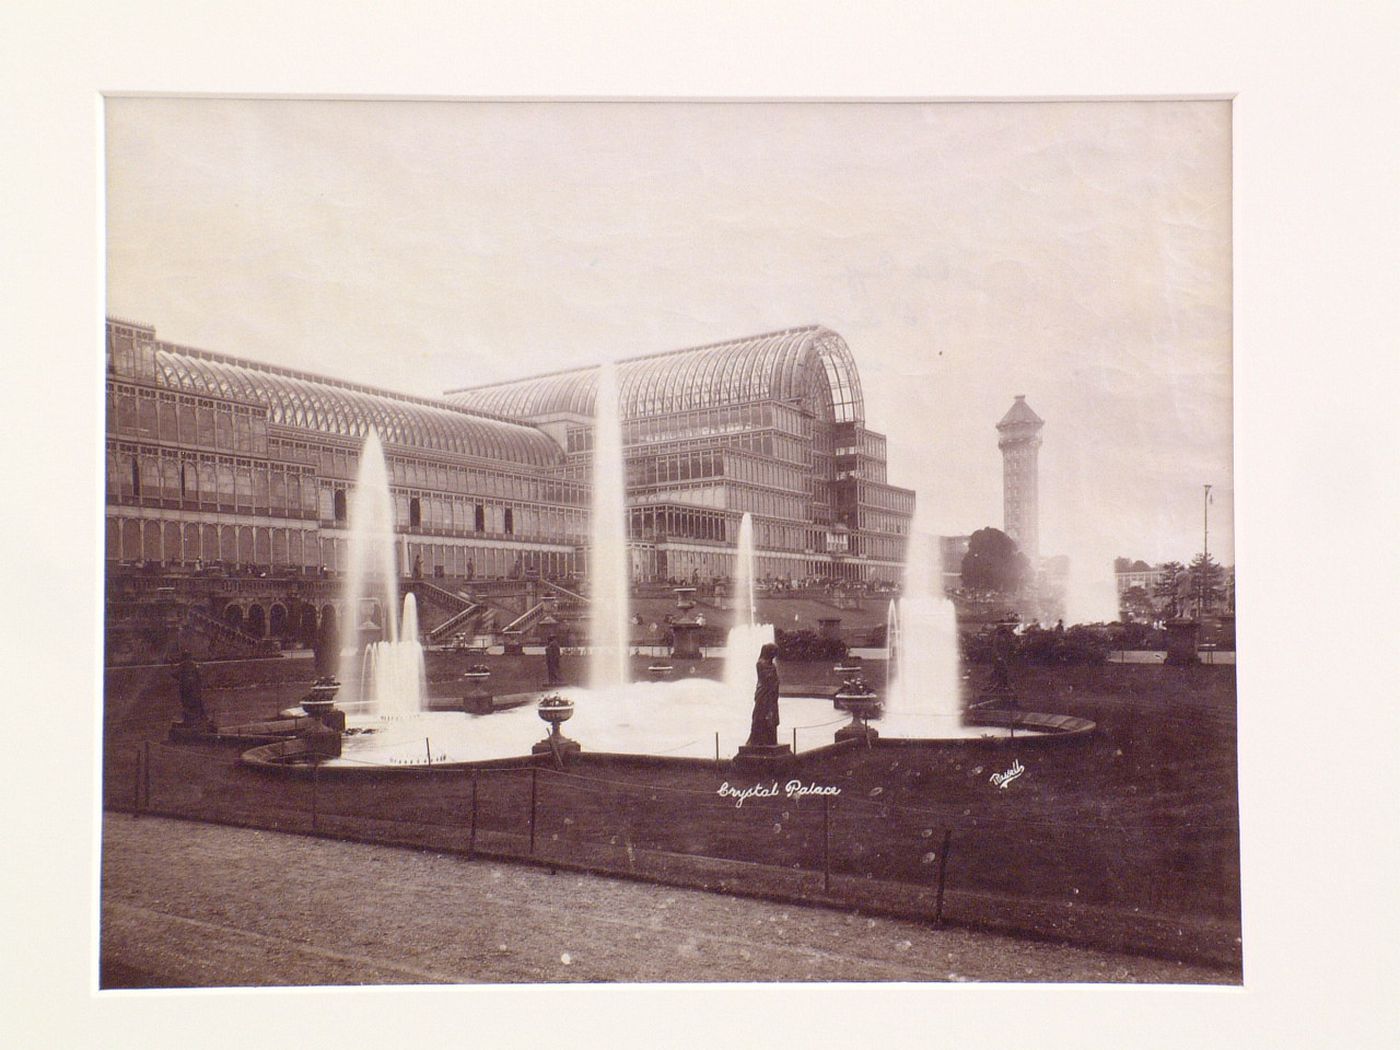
(1019, 442)
(770, 424)
(1136, 577)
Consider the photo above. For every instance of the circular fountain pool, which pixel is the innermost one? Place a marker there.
(695, 718)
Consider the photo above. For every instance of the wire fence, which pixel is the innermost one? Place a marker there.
(1074, 880)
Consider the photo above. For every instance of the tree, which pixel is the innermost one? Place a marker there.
(1207, 582)
(993, 563)
(1136, 604)
(1174, 587)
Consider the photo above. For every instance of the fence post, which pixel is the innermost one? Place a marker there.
(428, 747)
(471, 841)
(826, 843)
(147, 779)
(534, 787)
(942, 874)
(716, 750)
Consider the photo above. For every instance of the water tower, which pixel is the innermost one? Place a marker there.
(1019, 442)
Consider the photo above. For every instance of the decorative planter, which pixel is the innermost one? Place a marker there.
(555, 710)
(323, 690)
(320, 703)
(863, 703)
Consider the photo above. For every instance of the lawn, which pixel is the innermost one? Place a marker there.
(1137, 824)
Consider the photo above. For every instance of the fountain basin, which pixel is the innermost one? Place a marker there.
(681, 721)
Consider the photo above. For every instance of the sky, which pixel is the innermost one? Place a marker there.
(1075, 252)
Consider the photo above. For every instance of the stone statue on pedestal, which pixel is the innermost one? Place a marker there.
(551, 662)
(764, 730)
(186, 675)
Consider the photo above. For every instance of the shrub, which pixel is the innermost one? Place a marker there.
(1082, 645)
(808, 645)
(1035, 645)
(1134, 635)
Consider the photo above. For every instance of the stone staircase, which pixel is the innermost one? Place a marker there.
(463, 615)
(465, 621)
(528, 618)
(227, 635)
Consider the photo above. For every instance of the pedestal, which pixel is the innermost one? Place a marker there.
(477, 701)
(685, 643)
(561, 745)
(861, 731)
(321, 741)
(763, 757)
(1182, 639)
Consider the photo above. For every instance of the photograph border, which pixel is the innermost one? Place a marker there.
(1292, 133)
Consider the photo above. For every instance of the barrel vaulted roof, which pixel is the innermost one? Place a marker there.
(327, 405)
(810, 366)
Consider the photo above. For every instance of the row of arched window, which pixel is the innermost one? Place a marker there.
(191, 544)
(133, 476)
(194, 545)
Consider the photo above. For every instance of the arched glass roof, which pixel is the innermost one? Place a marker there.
(812, 366)
(298, 400)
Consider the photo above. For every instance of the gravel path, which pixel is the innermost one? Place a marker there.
(187, 904)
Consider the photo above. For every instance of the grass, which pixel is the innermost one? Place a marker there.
(1139, 821)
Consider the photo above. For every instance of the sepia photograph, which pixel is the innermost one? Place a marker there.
(694, 525)
(668, 541)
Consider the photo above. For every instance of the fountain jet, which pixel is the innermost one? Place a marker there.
(607, 561)
(1091, 591)
(922, 638)
(391, 665)
(747, 636)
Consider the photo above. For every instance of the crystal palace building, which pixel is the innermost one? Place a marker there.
(217, 464)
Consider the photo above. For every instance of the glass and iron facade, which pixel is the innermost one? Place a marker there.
(217, 461)
(773, 425)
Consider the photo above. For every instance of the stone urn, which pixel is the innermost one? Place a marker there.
(556, 710)
(320, 702)
(322, 735)
(863, 703)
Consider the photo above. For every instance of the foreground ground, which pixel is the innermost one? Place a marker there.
(1124, 842)
(187, 904)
